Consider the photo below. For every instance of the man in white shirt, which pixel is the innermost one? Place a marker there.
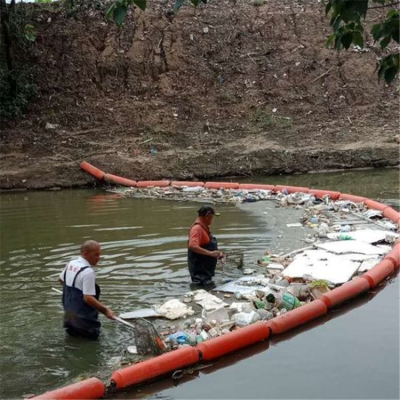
(81, 294)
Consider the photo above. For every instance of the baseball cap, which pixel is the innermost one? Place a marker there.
(206, 210)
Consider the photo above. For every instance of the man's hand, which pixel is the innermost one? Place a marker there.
(217, 254)
(109, 314)
(92, 302)
(199, 250)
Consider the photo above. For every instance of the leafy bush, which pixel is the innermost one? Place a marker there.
(347, 21)
(17, 85)
(12, 105)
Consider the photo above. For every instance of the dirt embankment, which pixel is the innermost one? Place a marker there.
(227, 89)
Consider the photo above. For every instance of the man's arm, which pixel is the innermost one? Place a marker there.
(93, 302)
(89, 290)
(200, 250)
(194, 243)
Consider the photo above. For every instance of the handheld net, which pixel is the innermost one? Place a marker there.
(147, 339)
(233, 259)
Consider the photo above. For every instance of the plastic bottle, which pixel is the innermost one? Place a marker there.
(284, 300)
(204, 335)
(185, 325)
(344, 237)
(258, 304)
(238, 296)
(199, 339)
(301, 291)
(265, 315)
(199, 327)
(264, 260)
(323, 229)
(178, 338)
(191, 337)
(345, 228)
(213, 332)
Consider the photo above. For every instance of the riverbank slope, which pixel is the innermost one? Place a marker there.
(227, 89)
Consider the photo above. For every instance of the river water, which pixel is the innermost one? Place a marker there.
(352, 353)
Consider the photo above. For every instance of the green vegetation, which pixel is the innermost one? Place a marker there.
(347, 21)
(258, 3)
(119, 8)
(16, 77)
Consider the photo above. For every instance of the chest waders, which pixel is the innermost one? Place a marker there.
(201, 267)
(80, 319)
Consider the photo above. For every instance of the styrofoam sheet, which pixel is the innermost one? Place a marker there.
(365, 235)
(385, 247)
(350, 246)
(322, 264)
(235, 286)
(358, 256)
(368, 264)
(143, 313)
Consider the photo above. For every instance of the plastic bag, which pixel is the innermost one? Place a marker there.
(244, 319)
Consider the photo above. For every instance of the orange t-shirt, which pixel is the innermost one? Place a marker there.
(198, 234)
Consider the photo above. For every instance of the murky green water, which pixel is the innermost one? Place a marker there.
(355, 355)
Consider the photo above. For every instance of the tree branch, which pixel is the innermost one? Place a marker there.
(384, 5)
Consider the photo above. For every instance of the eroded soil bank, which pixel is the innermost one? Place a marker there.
(227, 89)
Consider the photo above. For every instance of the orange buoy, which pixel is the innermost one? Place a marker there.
(249, 186)
(91, 388)
(375, 205)
(297, 317)
(320, 193)
(345, 292)
(99, 198)
(379, 273)
(291, 189)
(233, 341)
(155, 367)
(219, 185)
(187, 183)
(394, 256)
(91, 170)
(392, 214)
(119, 181)
(350, 197)
(152, 183)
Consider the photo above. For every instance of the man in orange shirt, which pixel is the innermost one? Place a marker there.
(203, 248)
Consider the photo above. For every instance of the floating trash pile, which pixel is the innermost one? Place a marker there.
(196, 193)
(288, 282)
(320, 212)
(346, 240)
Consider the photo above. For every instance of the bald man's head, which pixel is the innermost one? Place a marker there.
(90, 251)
